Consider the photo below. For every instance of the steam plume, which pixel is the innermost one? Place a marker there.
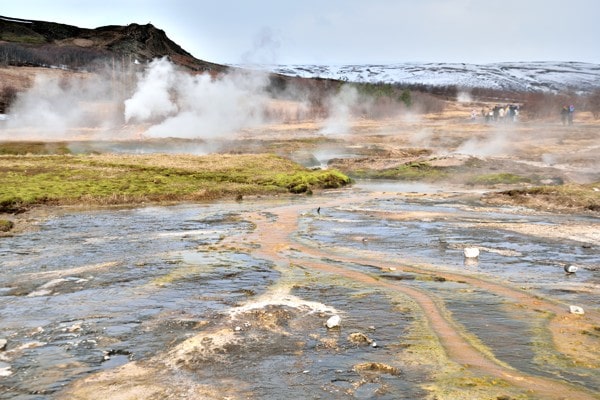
(181, 105)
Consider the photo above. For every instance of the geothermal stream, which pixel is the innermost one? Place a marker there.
(231, 300)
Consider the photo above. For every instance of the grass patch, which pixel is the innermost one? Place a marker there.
(413, 171)
(563, 197)
(5, 225)
(121, 179)
(25, 38)
(498, 179)
(23, 148)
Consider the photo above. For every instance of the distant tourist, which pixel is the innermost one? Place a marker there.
(513, 112)
(564, 115)
(496, 112)
(570, 115)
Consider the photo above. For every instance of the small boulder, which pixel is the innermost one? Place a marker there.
(359, 338)
(5, 369)
(471, 252)
(576, 310)
(3, 343)
(333, 322)
(570, 269)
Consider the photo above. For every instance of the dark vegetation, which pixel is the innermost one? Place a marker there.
(379, 100)
(39, 148)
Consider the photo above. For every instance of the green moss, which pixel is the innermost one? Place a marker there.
(414, 171)
(26, 38)
(22, 148)
(570, 196)
(497, 179)
(301, 182)
(109, 179)
(5, 225)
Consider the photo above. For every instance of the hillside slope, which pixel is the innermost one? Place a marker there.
(510, 76)
(40, 43)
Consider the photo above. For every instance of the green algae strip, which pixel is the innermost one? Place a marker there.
(107, 179)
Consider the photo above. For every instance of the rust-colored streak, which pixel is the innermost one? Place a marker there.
(275, 237)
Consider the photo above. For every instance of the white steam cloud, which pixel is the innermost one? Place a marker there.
(340, 111)
(152, 99)
(496, 143)
(54, 108)
(178, 104)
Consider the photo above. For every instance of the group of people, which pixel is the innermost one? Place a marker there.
(506, 113)
(566, 114)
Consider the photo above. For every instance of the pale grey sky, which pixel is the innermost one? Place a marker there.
(348, 31)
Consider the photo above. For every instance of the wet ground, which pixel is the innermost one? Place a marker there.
(230, 300)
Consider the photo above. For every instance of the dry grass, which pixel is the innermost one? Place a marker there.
(564, 198)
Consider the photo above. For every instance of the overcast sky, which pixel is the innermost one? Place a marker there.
(348, 31)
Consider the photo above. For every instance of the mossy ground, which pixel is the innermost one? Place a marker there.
(561, 198)
(128, 179)
(413, 171)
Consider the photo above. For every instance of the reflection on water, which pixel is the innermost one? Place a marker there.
(92, 291)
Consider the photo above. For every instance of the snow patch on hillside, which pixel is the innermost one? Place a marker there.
(520, 76)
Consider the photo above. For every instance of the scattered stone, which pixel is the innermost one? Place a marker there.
(333, 322)
(3, 343)
(39, 329)
(5, 369)
(576, 310)
(374, 344)
(74, 328)
(30, 345)
(6, 225)
(359, 338)
(570, 269)
(237, 328)
(376, 367)
(471, 252)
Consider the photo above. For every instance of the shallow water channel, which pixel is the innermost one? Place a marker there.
(185, 294)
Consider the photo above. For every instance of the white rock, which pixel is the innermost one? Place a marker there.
(570, 269)
(5, 371)
(333, 322)
(576, 310)
(471, 252)
(374, 344)
(3, 343)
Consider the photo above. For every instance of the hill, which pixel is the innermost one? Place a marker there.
(41, 43)
(508, 76)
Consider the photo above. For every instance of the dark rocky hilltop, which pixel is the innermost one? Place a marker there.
(41, 43)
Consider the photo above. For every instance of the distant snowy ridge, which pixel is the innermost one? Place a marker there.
(517, 76)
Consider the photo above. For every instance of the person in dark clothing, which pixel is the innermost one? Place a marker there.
(564, 113)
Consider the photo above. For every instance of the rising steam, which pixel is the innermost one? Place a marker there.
(54, 107)
(178, 104)
(340, 111)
